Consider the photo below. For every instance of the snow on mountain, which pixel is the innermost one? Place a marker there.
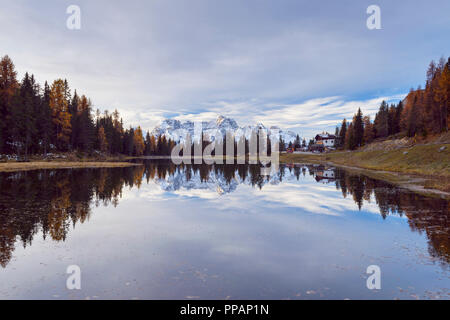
(178, 131)
(217, 182)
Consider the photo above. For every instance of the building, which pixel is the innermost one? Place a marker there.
(325, 139)
(328, 174)
(325, 176)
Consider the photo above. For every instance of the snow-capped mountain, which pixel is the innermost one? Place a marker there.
(178, 131)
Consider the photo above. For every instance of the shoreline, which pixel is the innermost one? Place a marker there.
(415, 183)
(423, 176)
(425, 184)
(42, 165)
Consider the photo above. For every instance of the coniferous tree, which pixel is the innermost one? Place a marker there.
(74, 121)
(31, 122)
(350, 138)
(358, 129)
(60, 114)
(297, 142)
(382, 121)
(397, 117)
(85, 126)
(139, 145)
(282, 144)
(44, 122)
(412, 126)
(442, 96)
(342, 134)
(8, 87)
(147, 142)
(103, 143)
(423, 111)
(369, 131)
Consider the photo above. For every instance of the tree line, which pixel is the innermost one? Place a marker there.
(39, 120)
(423, 112)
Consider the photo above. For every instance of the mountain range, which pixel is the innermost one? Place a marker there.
(178, 131)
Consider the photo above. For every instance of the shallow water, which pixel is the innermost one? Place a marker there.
(159, 231)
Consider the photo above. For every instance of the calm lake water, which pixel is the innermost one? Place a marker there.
(161, 231)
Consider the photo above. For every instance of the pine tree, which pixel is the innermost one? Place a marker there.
(85, 126)
(44, 122)
(397, 118)
(297, 142)
(350, 138)
(117, 136)
(27, 118)
(74, 121)
(342, 134)
(282, 144)
(382, 121)
(358, 128)
(147, 143)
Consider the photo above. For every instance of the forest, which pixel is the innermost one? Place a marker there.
(48, 119)
(424, 111)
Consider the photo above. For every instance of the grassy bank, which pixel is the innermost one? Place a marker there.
(425, 165)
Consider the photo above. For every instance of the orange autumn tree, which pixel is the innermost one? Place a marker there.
(443, 92)
(139, 145)
(103, 143)
(60, 113)
(8, 86)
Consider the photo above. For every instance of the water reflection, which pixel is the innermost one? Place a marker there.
(53, 201)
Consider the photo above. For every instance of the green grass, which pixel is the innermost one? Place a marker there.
(419, 159)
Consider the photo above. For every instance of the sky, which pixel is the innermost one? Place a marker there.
(300, 65)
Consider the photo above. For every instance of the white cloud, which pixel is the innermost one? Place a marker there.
(250, 60)
(307, 118)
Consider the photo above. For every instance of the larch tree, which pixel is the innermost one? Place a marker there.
(8, 87)
(443, 96)
(103, 143)
(139, 145)
(369, 131)
(60, 114)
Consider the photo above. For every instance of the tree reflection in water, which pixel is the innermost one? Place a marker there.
(52, 200)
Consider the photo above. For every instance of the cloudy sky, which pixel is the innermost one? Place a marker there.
(302, 65)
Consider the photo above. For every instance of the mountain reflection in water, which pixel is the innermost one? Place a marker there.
(50, 201)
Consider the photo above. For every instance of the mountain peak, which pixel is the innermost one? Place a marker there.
(227, 123)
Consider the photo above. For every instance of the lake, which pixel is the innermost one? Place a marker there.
(161, 231)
